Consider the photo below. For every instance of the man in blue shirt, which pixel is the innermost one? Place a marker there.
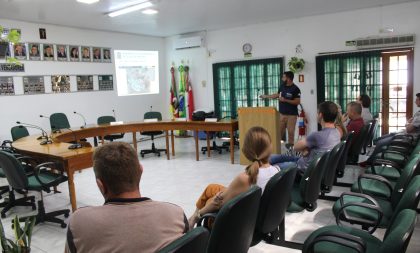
(289, 99)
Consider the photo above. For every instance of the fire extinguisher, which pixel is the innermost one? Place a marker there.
(302, 122)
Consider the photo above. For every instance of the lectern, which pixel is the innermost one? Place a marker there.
(266, 117)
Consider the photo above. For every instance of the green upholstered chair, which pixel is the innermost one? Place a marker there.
(369, 137)
(41, 180)
(195, 241)
(370, 212)
(390, 162)
(306, 192)
(357, 145)
(234, 224)
(58, 121)
(380, 187)
(19, 132)
(331, 167)
(152, 134)
(270, 225)
(333, 239)
(341, 166)
(106, 120)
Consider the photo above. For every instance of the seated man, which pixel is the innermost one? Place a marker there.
(355, 120)
(364, 100)
(412, 127)
(127, 222)
(316, 143)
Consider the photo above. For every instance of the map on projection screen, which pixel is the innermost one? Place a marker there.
(137, 72)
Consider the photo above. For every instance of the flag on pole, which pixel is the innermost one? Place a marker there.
(189, 92)
(174, 99)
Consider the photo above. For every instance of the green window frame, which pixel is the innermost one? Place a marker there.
(341, 78)
(239, 84)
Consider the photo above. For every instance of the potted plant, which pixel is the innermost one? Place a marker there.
(12, 37)
(296, 64)
(22, 242)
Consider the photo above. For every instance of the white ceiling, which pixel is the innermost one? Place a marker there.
(175, 16)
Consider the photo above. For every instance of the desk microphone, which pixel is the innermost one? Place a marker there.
(83, 117)
(258, 97)
(76, 145)
(43, 116)
(44, 133)
(113, 112)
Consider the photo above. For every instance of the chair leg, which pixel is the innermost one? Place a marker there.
(3, 190)
(42, 216)
(278, 238)
(153, 150)
(12, 202)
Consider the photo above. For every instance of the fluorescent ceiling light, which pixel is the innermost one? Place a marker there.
(129, 9)
(149, 12)
(87, 1)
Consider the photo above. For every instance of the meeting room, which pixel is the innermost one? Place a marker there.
(192, 126)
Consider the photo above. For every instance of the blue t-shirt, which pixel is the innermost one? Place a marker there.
(318, 143)
(289, 92)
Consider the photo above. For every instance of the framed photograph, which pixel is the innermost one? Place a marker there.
(106, 82)
(42, 33)
(97, 54)
(48, 52)
(84, 83)
(74, 53)
(106, 52)
(33, 85)
(6, 86)
(62, 52)
(86, 57)
(34, 52)
(4, 49)
(60, 83)
(20, 51)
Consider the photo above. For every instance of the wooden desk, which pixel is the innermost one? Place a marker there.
(79, 159)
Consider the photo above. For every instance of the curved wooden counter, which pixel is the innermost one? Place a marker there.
(79, 159)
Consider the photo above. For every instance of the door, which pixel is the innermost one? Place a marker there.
(397, 90)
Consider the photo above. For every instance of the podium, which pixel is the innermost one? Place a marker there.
(266, 117)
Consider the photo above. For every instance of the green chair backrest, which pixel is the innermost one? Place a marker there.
(234, 225)
(105, 120)
(331, 164)
(19, 132)
(153, 115)
(410, 198)
(310, 184)
(194, 241)
(411, 169)
(398, 234)
(59, 121)
(14, 171)
(358, 141)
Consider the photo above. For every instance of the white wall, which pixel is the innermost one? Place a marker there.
(316, 34)
(27, 108)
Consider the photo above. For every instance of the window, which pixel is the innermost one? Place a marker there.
(239, 84)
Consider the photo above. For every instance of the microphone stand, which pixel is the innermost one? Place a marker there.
(83, 117)
(76, 145)
(44, 133)
(258, 97)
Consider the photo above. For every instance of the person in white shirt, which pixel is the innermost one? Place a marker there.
(365, 101)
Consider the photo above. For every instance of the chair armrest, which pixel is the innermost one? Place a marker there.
(373, 206)
(6, 142)
(46, 185)
(204, 218)
(402, 149)
(347, 240)
(375, 178)
(383, 162)
(404, 136)
(384, 152)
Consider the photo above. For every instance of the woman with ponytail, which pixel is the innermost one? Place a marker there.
(257, 148)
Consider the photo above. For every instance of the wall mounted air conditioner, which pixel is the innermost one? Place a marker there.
(388, 41)
(188, 42)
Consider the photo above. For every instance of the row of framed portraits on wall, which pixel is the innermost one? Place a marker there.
(30, 85)
(57, 52)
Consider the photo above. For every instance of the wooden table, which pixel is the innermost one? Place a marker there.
(79, 159)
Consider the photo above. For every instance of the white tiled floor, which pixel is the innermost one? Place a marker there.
(180, 181)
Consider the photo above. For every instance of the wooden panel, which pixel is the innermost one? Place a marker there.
(266, 117)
